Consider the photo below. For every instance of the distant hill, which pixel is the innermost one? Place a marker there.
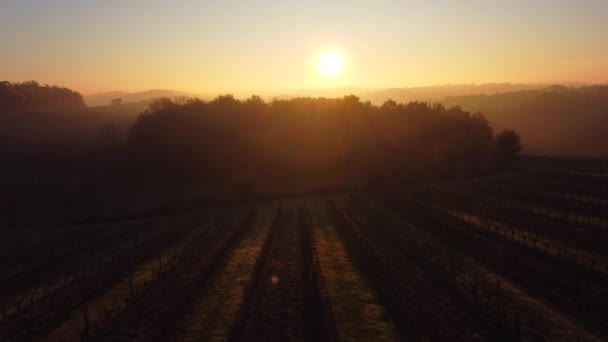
(429, 93)
(557, 120)
(438, 92)
(376, 96)
(326, 92)
(104, 99)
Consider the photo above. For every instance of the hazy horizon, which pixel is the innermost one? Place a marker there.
(274, 46)
(431, 93)
(348, 89)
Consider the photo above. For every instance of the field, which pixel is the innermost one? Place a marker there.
(515, 257)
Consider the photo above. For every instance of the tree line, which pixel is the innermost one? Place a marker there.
(31, 95)
(314, 137)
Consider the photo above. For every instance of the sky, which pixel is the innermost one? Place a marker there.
(219, 46)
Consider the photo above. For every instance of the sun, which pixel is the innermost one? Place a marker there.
(330, 64)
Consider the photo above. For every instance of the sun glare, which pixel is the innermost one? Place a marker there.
(330, 64)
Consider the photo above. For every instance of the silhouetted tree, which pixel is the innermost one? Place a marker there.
(161, 104)
(31, 95)
(506, 148)
(309, 138)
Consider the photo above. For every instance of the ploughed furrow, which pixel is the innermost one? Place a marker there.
(33, 274)
(513, 214)
(282, 301)
(564, 209)
(593, 188)
(356, 308)
(153, 313)
(588, 200)
(113, 299)
(211, 311)
(419, 307)
(47, 313)
(510, 311)
(570, 222)
(318, 309)
(557, 240)
(46, 248)
(570, 287)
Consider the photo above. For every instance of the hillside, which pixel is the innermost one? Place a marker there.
(438, 92)
(557, 121)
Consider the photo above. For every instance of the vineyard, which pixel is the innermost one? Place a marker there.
(515, 257)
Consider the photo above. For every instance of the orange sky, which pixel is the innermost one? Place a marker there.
(273, 46)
